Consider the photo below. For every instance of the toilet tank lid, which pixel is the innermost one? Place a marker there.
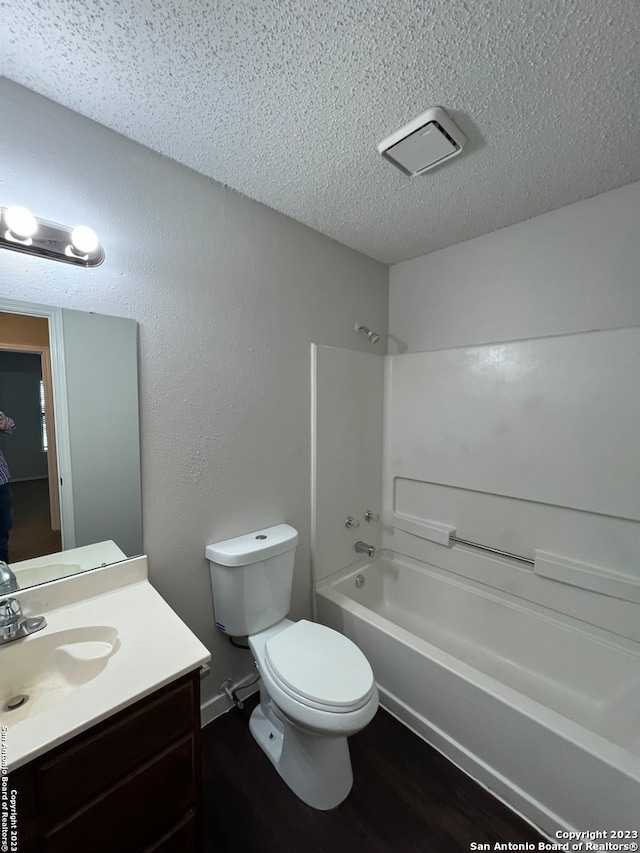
(253, 547)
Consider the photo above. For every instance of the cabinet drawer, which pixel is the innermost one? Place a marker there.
(129, 817)
(76, 772)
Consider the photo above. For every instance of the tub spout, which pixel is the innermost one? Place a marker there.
(363, 548)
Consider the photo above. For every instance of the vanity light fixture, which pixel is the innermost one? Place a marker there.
(21, 231)
(21, 224)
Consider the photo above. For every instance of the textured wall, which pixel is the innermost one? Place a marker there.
(571, 270)
(229, 295)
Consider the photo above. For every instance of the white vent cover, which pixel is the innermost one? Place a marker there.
(425, 142)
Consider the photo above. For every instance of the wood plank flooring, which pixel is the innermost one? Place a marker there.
(406, 798)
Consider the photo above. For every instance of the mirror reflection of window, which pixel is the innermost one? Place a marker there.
(43, 419)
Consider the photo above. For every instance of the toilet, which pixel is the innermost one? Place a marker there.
(316, 686)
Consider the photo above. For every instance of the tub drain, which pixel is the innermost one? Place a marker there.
(15, 702)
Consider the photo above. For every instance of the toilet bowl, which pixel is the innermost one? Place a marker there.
(316, 689)
(316, 676)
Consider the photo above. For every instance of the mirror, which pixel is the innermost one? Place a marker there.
(69, 380)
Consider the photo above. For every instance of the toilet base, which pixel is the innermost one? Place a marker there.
(315, 767)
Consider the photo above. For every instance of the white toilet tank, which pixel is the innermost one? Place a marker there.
(251, 577)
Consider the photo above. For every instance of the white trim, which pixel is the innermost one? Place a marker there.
(59, 377)
(314, 475)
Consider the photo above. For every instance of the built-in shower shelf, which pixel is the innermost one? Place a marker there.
(433, 530)
(546, 565)
(586, 576)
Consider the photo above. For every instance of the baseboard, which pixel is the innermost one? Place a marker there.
(219, 705)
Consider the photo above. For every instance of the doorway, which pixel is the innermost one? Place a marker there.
(26, 396)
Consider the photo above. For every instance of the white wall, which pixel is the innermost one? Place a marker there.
(572, 270)
(104, 425)
(229, 296)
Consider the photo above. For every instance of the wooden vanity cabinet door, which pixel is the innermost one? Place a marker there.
(131, 816)
(180, 838)
(78, 771)
(131, 784)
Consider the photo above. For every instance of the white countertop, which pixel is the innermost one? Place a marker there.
(152, 647)
(64, 563)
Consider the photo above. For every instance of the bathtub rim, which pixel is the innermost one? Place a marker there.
(610, 752)
(547, 814)
(509, 599)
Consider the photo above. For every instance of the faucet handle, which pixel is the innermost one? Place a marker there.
(8, 582)
(371, 516)
(10, 612)
(13, 625)
(351, 522)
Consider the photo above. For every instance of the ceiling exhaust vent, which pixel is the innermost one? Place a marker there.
(425, 142)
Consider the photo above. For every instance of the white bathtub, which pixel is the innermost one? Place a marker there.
(541, 709)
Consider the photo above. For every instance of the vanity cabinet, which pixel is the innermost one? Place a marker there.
(130, 784)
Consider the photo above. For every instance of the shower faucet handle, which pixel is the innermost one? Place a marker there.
(371, 516)
(351, 522)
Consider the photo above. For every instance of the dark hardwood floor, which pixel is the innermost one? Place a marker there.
(406, 798)
(32, 535)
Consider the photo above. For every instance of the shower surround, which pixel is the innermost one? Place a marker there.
(525, 672)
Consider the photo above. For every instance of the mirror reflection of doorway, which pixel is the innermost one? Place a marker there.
(26, 396)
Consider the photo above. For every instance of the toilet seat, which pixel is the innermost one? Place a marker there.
(319, 667)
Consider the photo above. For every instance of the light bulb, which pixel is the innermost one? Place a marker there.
(84, 240)
(21, 223)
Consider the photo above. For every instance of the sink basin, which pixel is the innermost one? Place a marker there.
(110, 640)
(46, 668)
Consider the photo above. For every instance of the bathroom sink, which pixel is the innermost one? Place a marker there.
(47, 668)
(109, 640)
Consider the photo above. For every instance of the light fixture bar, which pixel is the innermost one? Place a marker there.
(48, 239)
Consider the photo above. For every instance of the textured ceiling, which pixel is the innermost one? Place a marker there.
(285, 100)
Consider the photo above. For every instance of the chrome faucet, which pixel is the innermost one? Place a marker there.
(13, 624)
(8, 582)
(363, 548)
